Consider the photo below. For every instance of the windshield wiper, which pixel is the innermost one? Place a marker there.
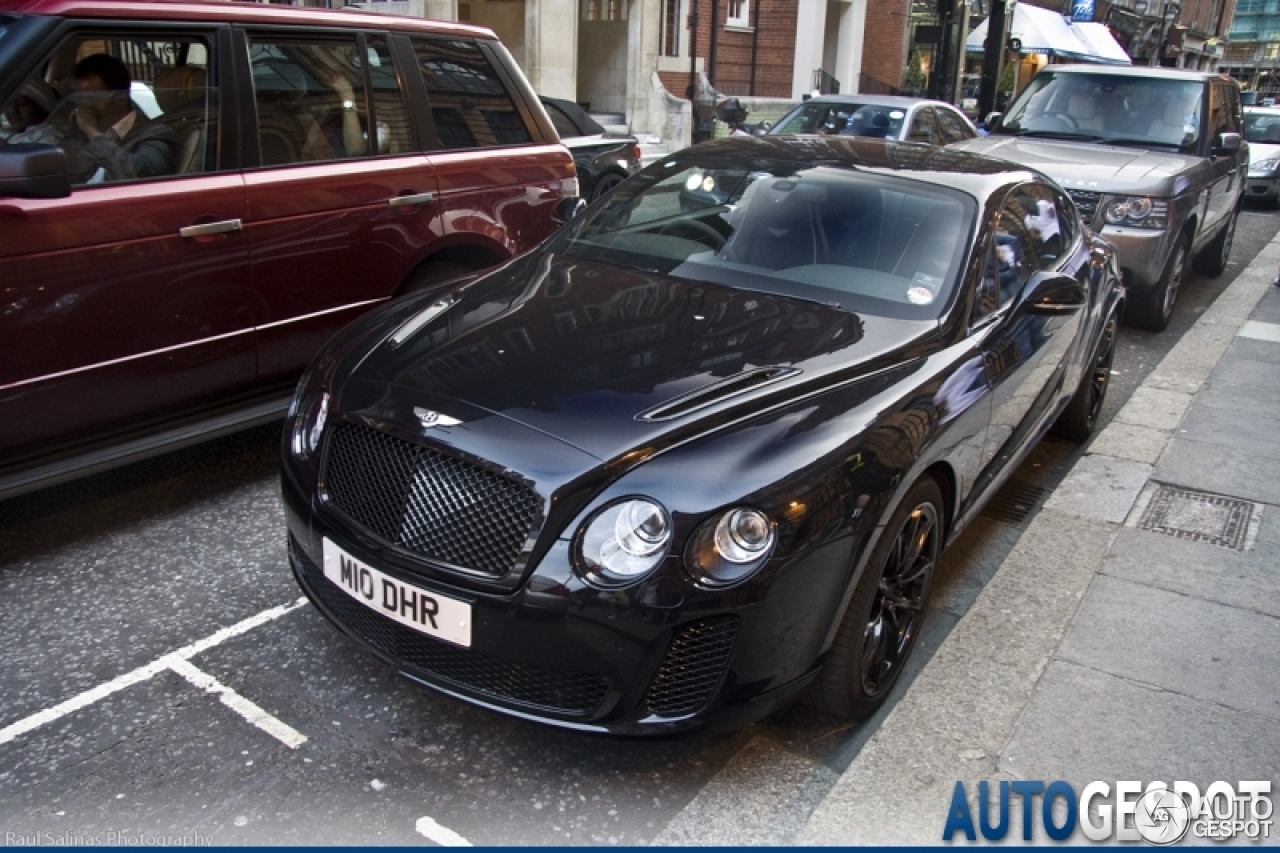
(1059, 134)
(1134, 142)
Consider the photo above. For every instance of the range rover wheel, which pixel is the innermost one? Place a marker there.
(606, 182)
(1153, 312)
(884, 617)
(1212, 259)
(1081, 414)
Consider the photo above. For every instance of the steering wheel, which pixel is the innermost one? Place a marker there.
(702, 228)
(1071, 123)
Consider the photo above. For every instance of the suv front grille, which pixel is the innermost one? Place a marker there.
(693, 667)
(439, 506)
(527, 684)
(1086, 203)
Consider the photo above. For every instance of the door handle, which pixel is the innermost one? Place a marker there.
(411, 200)
(211, 228)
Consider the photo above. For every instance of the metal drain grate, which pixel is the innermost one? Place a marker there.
(1015, 502)
(1200, 517)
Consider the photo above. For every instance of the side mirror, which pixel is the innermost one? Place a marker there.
(992, 120)
(567, 208)
(33, 171)
(1226, 143)
(1052, 294)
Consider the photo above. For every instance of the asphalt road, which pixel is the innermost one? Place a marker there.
(159, 679)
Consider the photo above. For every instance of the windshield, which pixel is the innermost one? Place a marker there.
(1262, 127)
(1108, 108)
(873, 120)
(874, 245)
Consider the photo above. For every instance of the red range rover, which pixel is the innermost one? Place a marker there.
(195, 196)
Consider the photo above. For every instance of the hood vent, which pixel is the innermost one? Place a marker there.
(717, 392)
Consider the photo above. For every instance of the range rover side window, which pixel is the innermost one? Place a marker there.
(310, 97)
(469, 102)
(124, 106)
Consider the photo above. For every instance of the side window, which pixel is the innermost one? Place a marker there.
(124, 107)
(923, 127)
(390, 118)
(1223, 116)
(1011, 258)
(951, 128)
(310, 97)
(469, 103)
(564, 127)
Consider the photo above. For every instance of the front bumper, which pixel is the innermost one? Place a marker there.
(1262, 187)
(643, 662)
(1142, 252)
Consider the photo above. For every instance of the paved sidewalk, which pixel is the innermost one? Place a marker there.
(1133, 633)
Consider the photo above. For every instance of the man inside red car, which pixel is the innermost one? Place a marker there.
(119, 143)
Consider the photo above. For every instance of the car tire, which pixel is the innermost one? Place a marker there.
(882, 622)
(604, 184)
(1078, 419)
(1212, 259)
(1152, 311)
(432, 274)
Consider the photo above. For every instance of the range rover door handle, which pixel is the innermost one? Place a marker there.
(208, 229)
(411, 199)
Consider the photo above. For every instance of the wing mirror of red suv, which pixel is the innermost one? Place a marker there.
(33, 171)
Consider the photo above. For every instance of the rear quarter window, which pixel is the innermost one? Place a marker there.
(469, 101)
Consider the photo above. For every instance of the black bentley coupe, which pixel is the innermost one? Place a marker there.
(676, 466)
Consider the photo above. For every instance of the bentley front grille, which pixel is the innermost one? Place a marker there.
(439, 506)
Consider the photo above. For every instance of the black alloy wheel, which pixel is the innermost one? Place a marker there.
(883, 621)
(1081, 414)
(605, 183)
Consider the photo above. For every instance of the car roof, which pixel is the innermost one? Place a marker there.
(873, 100)
(975, 174)
(1135, 71)
(1258, 108)
(222, 11)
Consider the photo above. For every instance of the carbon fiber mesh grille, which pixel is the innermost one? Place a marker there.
(435, 505)
(693, 667)
(438, 661)
(1086, 203)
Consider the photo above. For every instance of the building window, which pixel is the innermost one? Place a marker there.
(739, 13)
(604, 10)
(671, 28)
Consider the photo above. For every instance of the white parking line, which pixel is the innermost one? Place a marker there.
(1260, 331)
(433, 831)
(278, 729)
(142, 673)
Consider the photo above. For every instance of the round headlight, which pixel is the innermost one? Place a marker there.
(1133, 209)
(743, 535)
(731, 547)
(625, 541)
(694, 181)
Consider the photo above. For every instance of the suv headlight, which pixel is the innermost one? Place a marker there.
(1264, 167)
(624, 542)
(1137, 211)
(730, 548)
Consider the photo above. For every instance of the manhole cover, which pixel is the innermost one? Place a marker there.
(1199, 516)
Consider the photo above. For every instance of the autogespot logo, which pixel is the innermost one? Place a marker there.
(1159, 814)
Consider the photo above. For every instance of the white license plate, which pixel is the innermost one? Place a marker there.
(427, 612)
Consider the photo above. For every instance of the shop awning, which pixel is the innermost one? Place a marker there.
(1046, 31)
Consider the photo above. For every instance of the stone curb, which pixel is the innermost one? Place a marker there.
(962, 708)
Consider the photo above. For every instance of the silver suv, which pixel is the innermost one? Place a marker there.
(1152, 157)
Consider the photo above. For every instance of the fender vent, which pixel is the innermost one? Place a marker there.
(716, 392)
